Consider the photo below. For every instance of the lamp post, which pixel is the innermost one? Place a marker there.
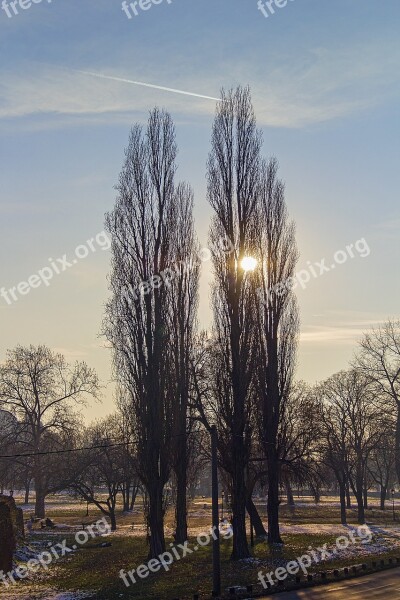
(393, 493)
(222, 504)
(215, 515)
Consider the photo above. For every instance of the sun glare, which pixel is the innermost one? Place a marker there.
(248, 263)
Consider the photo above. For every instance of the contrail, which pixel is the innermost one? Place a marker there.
(149, 85)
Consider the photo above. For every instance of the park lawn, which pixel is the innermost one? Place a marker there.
(327, 514)
(97, 569)
(69, 510)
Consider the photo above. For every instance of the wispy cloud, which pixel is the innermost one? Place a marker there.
(388, 230)
(49, 90)
(71, 353)
(345, 328)
(326, 84)
(288, 91)
(330, 335)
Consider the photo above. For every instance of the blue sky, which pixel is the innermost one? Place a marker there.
(325, 82)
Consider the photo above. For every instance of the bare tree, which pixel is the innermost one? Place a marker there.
(334, 447)
(299, 439)
(379, 359)
(125, 432)
(136, 321)
(181, 328)
(39, 388)
(277, 318)
(101, 467)
(9, 431)
(350, 412)
(233, 179)
(381, 466)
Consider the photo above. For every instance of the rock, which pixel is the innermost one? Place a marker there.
(11, 531)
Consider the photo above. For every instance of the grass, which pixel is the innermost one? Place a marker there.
(98, 568)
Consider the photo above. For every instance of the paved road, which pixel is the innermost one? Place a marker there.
(379, 586)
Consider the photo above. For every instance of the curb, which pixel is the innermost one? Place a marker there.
(299, 582)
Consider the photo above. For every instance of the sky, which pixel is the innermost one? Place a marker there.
(324, 78)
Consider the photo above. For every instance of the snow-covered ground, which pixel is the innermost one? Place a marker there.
(33, 593)
(385, 539)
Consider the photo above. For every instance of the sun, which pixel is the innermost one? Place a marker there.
(248, 263)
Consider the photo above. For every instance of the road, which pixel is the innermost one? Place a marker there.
(379, 586)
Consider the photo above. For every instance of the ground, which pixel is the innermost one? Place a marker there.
(92, 571)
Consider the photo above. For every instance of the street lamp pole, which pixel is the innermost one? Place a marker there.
(394, 513)
(222, 496)
(215, 515)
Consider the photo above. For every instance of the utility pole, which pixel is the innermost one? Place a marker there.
(394, 514)
(215, 514)
(251, 497)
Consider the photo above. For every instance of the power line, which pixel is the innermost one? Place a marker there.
(47, 453)
(99, 447)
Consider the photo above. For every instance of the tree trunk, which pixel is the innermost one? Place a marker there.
(256, 519)
(125, 498)
(316, 493)
(133, 496)
(360, 509)
(383, 497)
(365, 491)
(40, 510)
(289, 494)
(240, 546)
(271, 412)
(27, 490)
(181, 533)
(342, 495)
(359, 489)
(360, 504)
(397, 455)
(113, 520)
(274, 536)
(156, 520)
(348, 497)
(239, 451)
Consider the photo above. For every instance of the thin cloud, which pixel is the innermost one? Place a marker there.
(348, 331)
(319, 85)
(331, 335)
